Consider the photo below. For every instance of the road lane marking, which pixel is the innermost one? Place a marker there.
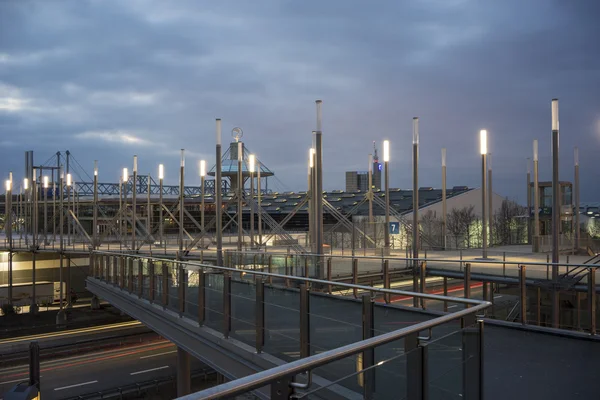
(497, 297)
(149, 370)
(71, 332)
(159, 354)
(79, 384)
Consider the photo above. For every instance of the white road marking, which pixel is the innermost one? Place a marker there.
(453, 306)
(159, 354)
(79, 384)
(497, 297)
(16, 380)
(149, 370)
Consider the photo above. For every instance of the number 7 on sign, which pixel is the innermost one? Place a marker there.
(394, 227)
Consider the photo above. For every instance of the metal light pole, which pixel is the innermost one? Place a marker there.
(490, 195)
(134, 204)
(312, 220)
(121, 211)
(161, 176)
(319, 188)
(33, 309)
(45, 196)
(148, 210)
(240, 193)
(181, 201)
(529, 238)
(60, 316)
(68, 207)
(95, 207)
(202, 176)
(536, 199)
(555, 212)
(577, 229)
(125, 181)
(386, 162)
(259, 204)
(251, 170)
(218, 197)
(483, 151)
(444, 210)
(370, 196)
(8, 228)
(415, 230)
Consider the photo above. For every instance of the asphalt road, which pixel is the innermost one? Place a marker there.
(102, 370)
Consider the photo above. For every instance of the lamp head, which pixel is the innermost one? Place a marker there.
(386, 151)
(483, 142)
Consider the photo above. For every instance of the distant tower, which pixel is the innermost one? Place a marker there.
(376, 169)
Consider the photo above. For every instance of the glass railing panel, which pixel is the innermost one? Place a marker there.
(191, 294)
(282, 320)
(173, 285)
(243, 312)
(214, 301)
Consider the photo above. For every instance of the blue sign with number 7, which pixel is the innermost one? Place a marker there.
(394, 227)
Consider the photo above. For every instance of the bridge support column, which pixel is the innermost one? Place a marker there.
(183, 373)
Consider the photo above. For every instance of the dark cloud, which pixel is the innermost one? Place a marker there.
(109, 79)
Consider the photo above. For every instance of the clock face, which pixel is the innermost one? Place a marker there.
(237, 133)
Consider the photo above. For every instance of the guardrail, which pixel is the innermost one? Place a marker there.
(258, 308)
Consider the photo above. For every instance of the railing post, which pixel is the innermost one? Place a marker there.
(165, 284)
(182, 278)
(287, 281)
(304, 321)
(140, 278)
(539, 306)
(467, 281)
(270, 269)
(106, 268)
(130, 274)
(414, 368)
(152, 291)
(523, 293)
(415, 285)
(226, 304)
(260, 314)
(445, 279)
(355, 276)
(201, 297)
(471, 346)
(306, 266)
(329, 286)
(481, 359)
(423, 282)
(368, 356)
(592, 300)
(386, 280)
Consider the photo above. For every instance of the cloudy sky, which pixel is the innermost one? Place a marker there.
(109, 79)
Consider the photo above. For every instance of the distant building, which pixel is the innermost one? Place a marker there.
(377, 168)
(357, 180)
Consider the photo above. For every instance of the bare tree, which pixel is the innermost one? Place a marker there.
(458, 223)
(431, 228)
(509, 227)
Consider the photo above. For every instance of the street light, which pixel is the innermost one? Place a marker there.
(161, 176)
(555, 213)
(483, 150)
(69, 178)
(251, 163)
(536, 199)
(45, 209)
(386, 162)
(202, 176)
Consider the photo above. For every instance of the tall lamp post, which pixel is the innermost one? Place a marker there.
(45, 195)
(490, 196)
(125, 179)
(577, 229)
(95, 208)
(33, 308)
(8, 228)
(312, 220)
(202, 177)
(259, 204)
(161, 176)
(251, 170)
(181, 202)
(483, 151)
(68, 205)
(536, 200)
(444, 210)
(415, 222)
(555, 212)
(218, 197)
(240, 193)
(386, 162)
(134, 203)
(60, 316)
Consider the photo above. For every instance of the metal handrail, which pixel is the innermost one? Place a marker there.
(308, 280)
(464, 260)
(263, 378)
